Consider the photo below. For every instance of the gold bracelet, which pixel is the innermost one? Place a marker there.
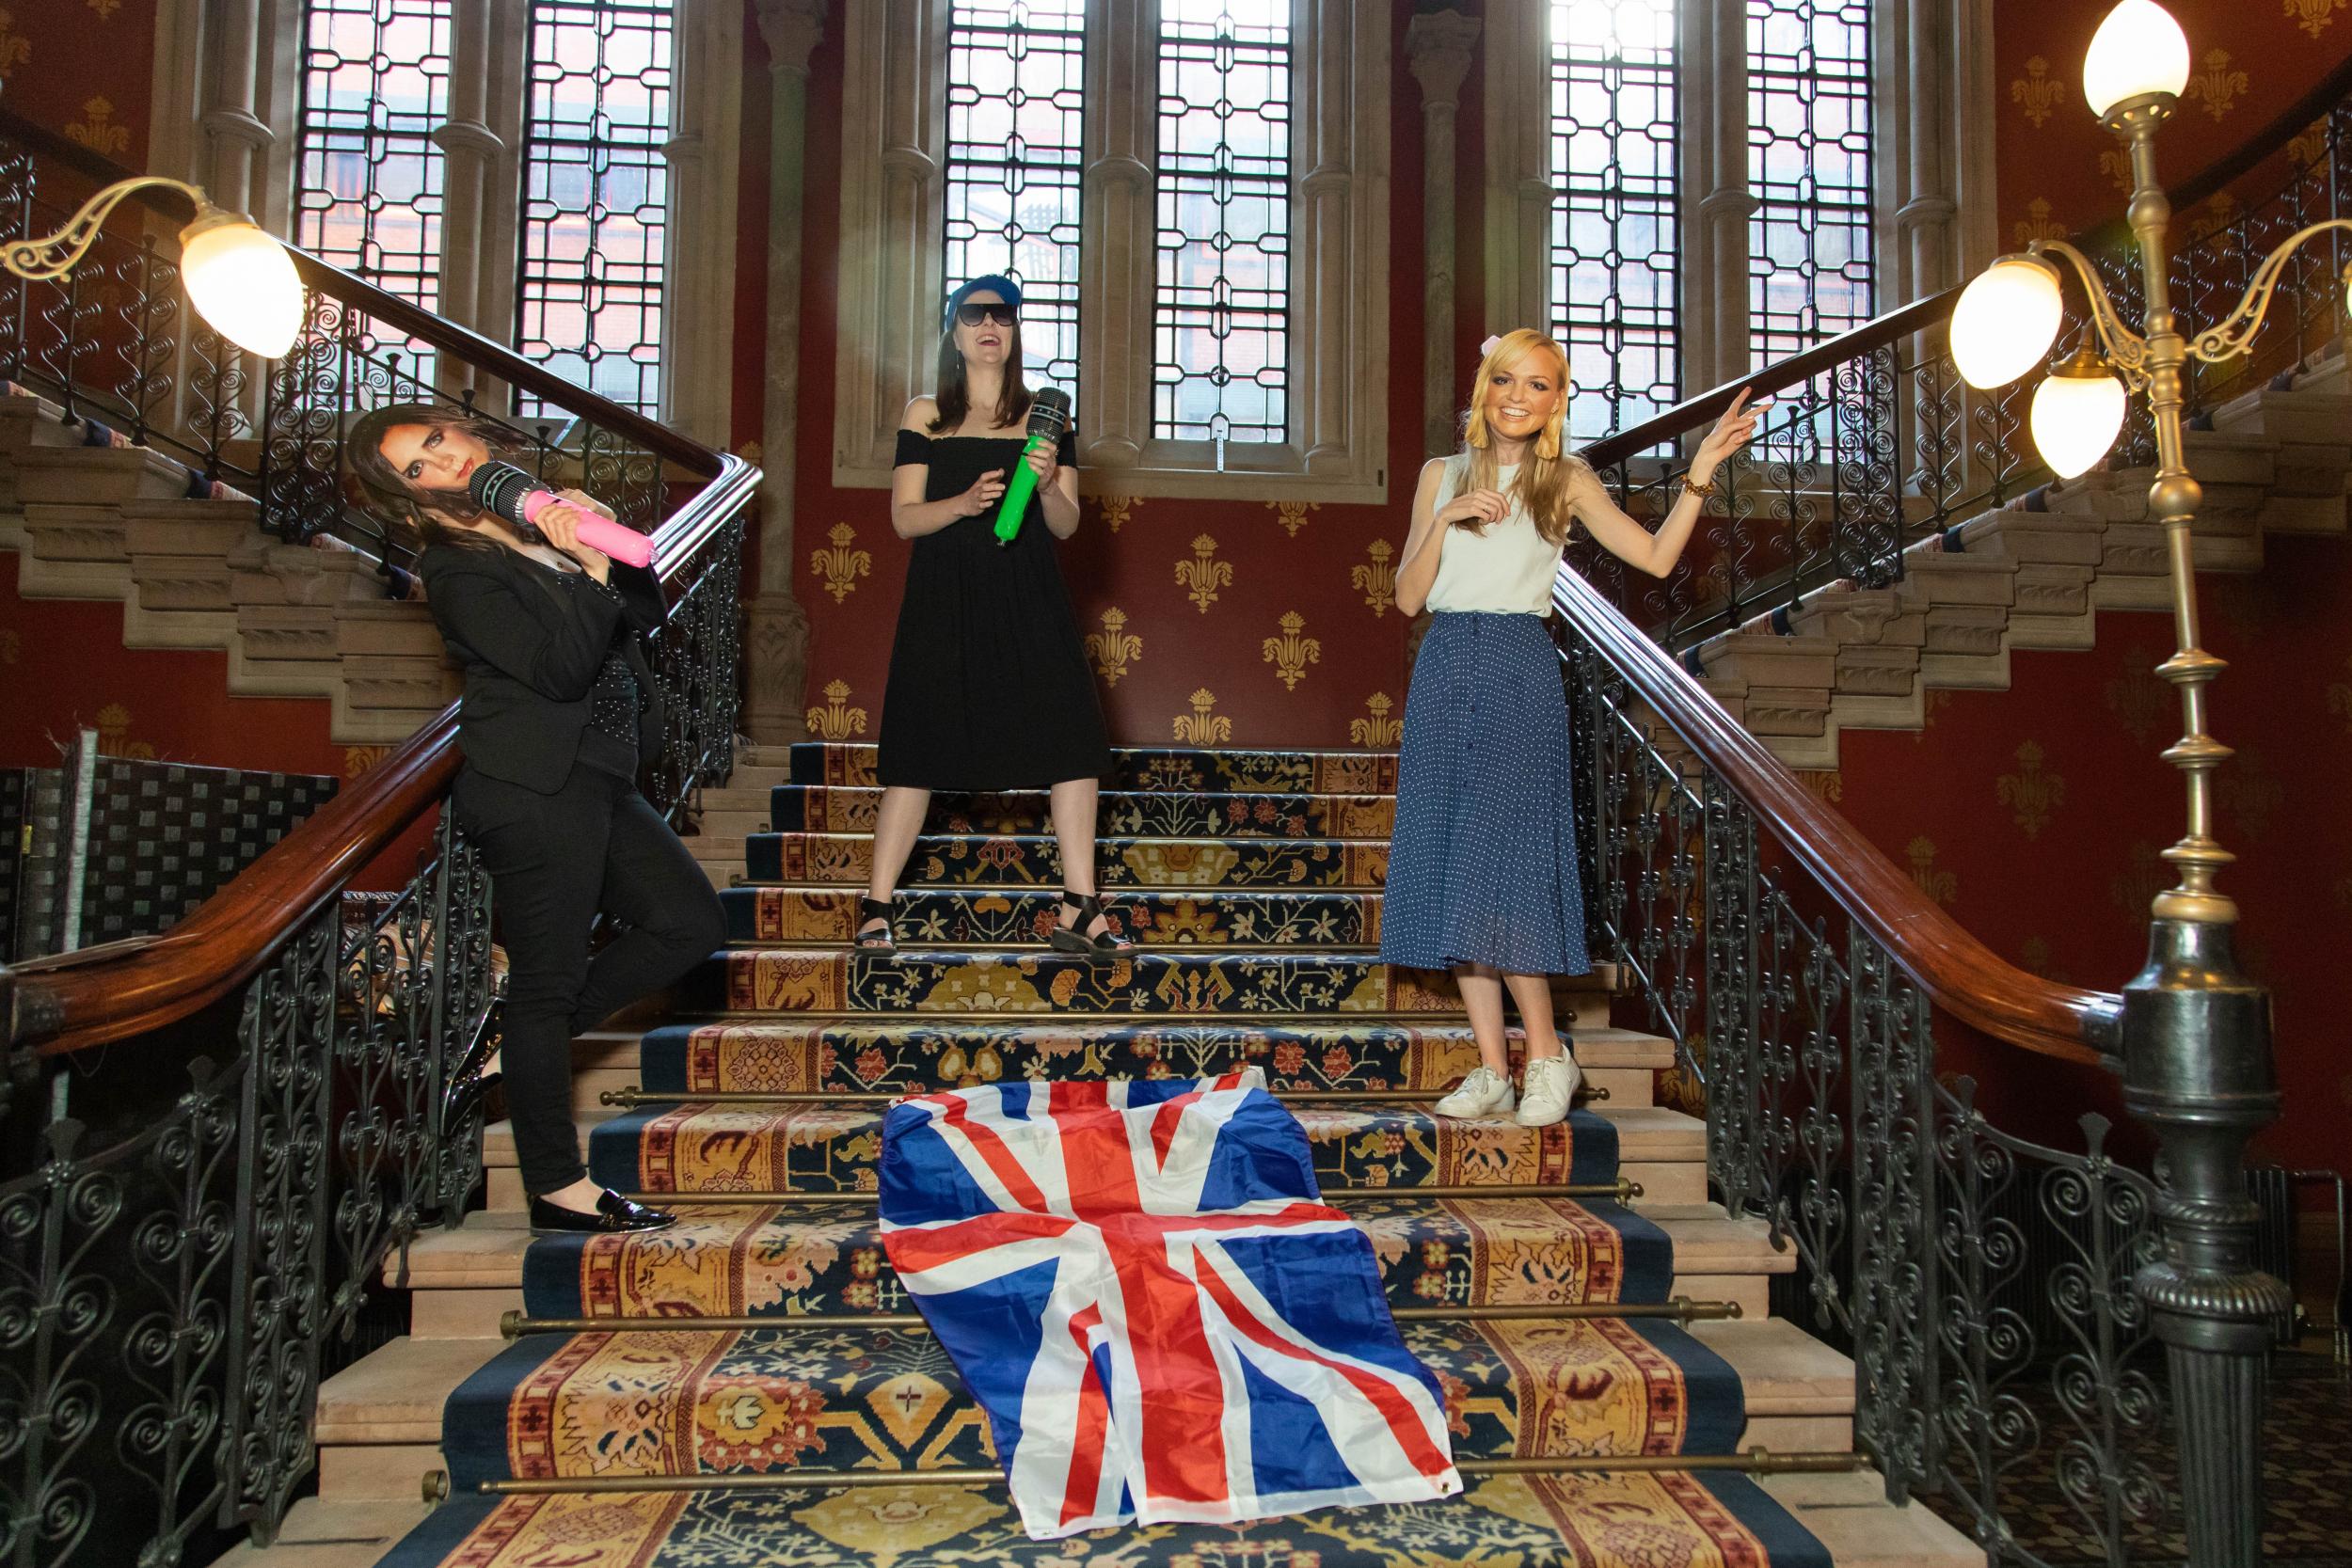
(1692, 486)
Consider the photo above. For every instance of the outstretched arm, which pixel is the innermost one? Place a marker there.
(1628, 540)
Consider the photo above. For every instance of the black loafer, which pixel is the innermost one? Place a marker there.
(613, 1213)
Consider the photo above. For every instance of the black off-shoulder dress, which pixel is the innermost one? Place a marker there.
(989, 688)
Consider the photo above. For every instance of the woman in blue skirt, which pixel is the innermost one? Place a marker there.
(1482, 869)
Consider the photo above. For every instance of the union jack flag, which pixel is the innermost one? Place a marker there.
(1140, 1284)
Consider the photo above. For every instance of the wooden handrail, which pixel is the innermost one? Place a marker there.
(76, 1000)
(1959, 974)
(411, 320)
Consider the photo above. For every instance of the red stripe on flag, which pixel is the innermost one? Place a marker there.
(1094, 1418)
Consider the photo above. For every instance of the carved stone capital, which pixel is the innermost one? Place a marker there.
(238, 125)
(775, 647)
(468, 136)
(1438, 47)
(793, 29)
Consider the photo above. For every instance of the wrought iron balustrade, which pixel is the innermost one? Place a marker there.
(262, 1105)
(1875, 445)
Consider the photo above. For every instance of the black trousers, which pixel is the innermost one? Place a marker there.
(555, 863)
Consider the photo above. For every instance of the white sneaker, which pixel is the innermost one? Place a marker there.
(1484, 1093)
(1551, 1083)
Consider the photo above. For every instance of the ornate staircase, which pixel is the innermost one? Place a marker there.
(754, 1100)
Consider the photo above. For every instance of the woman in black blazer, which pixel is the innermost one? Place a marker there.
(559, 710)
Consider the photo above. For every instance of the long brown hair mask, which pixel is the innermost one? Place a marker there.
(421, 512)
(1542, 484)
(955, 398)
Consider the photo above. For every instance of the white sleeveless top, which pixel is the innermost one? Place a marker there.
(1507, 570)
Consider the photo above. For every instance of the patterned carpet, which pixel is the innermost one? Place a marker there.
(1274, 974)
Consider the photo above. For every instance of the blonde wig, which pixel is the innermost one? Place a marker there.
(1542, 483)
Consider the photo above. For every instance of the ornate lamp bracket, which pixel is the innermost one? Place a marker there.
(52, 256)
(2125, 349)
(2228, 337)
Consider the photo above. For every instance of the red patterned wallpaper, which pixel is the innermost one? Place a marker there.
(84, 67)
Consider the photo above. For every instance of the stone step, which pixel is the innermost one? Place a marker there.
(319, 1533)
(1034, 860)
(1139, 813)
(1155, 767)
(956, 917)
(1191, 982)
(707, 1149)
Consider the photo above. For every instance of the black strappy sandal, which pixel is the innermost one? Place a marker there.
(1072, 938)
(869, 911)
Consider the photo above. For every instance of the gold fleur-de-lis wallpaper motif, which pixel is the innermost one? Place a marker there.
(358, 759)
(2037, 224)
(2134, 887)
(2312, 16)
(2117, 166)
(1116, 509)
(1377, 731)
(2139, 698)
(14, 50)
(1202, 726)
(1290, 653)
(96, 130)
(106, 8)
(842, 565)
(2030, 793)
(1204, 574)
(2033, 957)
(1377, 578)
(836, 719)
(2216, 85)
(2249, 794)
(2037, 92)
(2214, 216)
(1931, 701)
(114, 734)
(1114, 647)
(1293, 514)
(1942, 886)
(2310, 147)
(1828, 787)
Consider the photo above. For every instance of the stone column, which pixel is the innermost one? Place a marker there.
(469, 152)
(777, 627)
(1713, 39)
(1437, 46)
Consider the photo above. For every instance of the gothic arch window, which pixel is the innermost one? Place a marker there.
(1152, 158)
(1690, 188)
(555, 174)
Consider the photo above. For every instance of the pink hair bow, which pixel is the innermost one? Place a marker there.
(1488, 346)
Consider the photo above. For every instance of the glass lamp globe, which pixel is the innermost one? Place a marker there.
(2137, 50)
(2078, 411)
(242, 281)
(2005, 321)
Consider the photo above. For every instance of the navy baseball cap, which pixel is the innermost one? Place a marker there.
(1004, 287)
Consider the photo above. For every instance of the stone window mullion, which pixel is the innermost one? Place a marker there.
(1117, 259)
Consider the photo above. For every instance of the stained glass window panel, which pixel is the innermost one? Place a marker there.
(1016, 78)
(1614, 231)
(1810, 263)
(367, 183)
(595, 195)
(1220, 314)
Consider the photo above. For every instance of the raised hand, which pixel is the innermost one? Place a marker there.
(986, 492)
(1732, 432)
(559, 524)
(1044, 464)
(1475, 506)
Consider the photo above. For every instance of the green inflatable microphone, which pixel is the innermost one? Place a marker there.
(1049, 417)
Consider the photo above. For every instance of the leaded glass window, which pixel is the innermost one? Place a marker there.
(368, 182)
(595, 195)
(1614, 231)
(1220, 310)
(1016, 80)
(1809, 153)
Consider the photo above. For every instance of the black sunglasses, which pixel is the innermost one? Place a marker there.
(971, 313)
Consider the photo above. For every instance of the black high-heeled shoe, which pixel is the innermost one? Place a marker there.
(1072, 937)
(615, 1213)
(869, 911)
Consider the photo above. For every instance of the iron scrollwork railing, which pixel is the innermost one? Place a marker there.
(166, 1299)
(1980, 1280)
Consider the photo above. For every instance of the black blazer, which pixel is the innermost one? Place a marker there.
(531, 642)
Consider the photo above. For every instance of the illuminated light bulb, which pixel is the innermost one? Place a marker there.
(2005, 321)
(242, 281)
(2138, 52)
(2078, 411)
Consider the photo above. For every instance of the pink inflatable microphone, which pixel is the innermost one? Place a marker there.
(513, 494)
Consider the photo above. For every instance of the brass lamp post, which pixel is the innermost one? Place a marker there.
(2194, 1032)
(239, 279)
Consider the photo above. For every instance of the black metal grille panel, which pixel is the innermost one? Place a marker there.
(164, 837)
(1220, 316)
(595, 196)
(1614, 235)
(1016, 80)
(1810, 273)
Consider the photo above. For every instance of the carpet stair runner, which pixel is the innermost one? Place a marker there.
(767, 1334)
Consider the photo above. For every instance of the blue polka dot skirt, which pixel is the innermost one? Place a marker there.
(1482, 865)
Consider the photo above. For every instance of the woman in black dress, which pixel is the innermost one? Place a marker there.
(990, 689)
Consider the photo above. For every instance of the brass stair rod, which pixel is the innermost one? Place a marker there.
(634, 1096)
(1619, 1191)
(1681, 1309)
(1762, 1462)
